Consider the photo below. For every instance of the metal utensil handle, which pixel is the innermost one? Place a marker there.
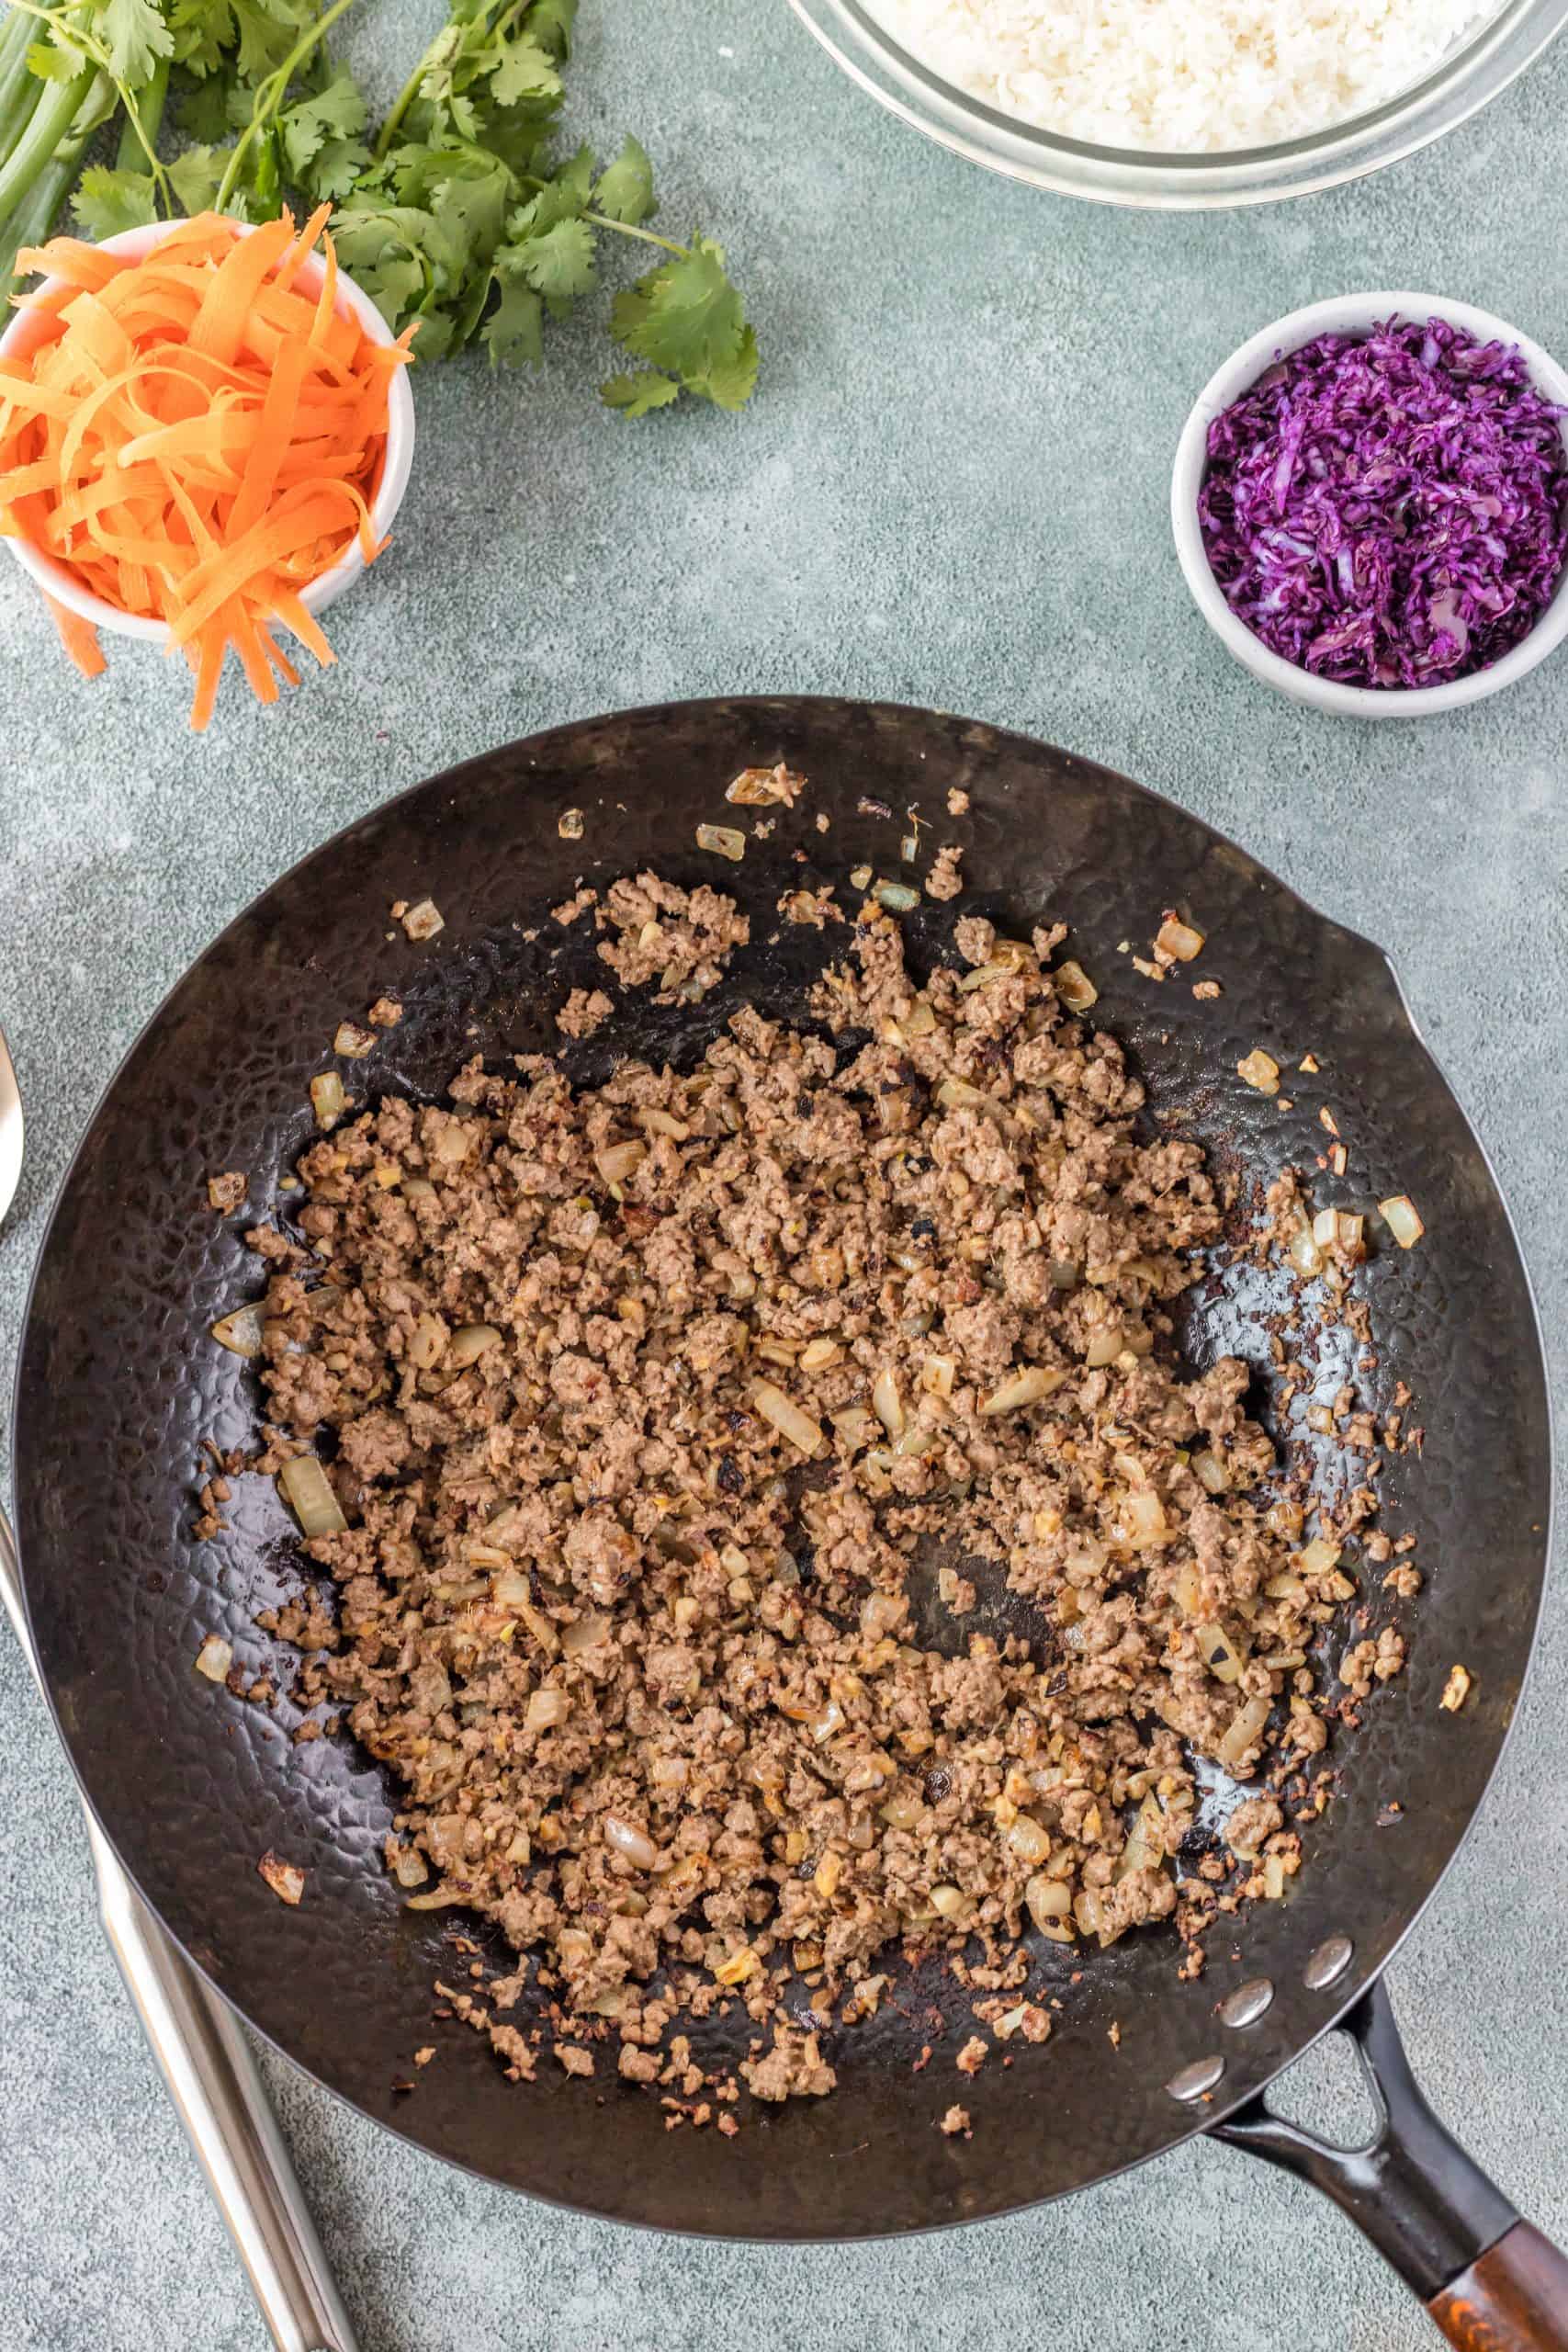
(1490, 2281)
(217, 2088)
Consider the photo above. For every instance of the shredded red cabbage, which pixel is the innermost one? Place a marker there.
(1391, 512)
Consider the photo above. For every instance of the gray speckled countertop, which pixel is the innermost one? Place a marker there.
(950, 489)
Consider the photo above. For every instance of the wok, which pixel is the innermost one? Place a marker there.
(119, 1387)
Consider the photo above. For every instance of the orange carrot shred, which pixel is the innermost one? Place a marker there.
(195, 436)
(79, 638)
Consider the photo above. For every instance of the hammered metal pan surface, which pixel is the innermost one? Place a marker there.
(118, 1386)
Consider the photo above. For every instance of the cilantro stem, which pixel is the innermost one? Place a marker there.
(270, 95)
(405, 99)
(72, 30)
(622, 227)
(143, 114)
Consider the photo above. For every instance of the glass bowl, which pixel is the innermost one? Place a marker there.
(1450, 93)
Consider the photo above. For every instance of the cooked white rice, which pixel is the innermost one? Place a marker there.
(1184, 75)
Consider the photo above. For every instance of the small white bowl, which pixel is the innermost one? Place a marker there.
(57, 579)
(1354, 315)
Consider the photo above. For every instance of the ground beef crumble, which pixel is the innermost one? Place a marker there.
(583, 1012)
(678, 937)
(641, 1471)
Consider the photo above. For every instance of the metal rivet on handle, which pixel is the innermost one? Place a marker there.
(1328, 1964)
(1247, 2002)
(1195, 2080)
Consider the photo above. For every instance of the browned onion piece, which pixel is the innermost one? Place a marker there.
(307, 1489)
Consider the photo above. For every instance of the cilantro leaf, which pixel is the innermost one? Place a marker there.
(322, 150)
(105, 202)
(557, 265)
(626, 189)
(550, 23)
(731, 381)
(136, 38)
(636, 394)
(380, 249)
(51, 62)
(196, 175)
(525, 71)
(686, 318)
(515, 333)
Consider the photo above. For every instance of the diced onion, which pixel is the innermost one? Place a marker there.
(1209, 1472)
(286, 1879)
(896, 897)
(957, 1094)
(1028, 1840)
(1260, 1071)
(241, 1333)
(1073, 986)
(1304, 1254)
(214, 1659)
(1219, 1653)
(616, 1162)
(306, 1487)
(1243, 1733)
(887, 1403)
(724, 840)
(1316, 1557)
(1399, 1215)
(818, 1354)
(879, 1612)
(1030, 1387)
(787, 1417)
(409, 1869)
(669, 1771)
(440, 1898)
(1047, 1899)
(951, 1902)
(584, 1633)
(546, 1708)
(1104, 1346)
(937, 1375)
(353, 1042)
(831, 1719)
(902, 1810)
(1177, 939)
(469, 1343)
(1141, 1515)
(632, 1844)
(328, 1099)
(427, 1341)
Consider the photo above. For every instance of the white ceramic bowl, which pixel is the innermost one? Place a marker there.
(57, 579)
(1350, 314)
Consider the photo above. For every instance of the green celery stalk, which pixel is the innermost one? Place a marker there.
(51, 119)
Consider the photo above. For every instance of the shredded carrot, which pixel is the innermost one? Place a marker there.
(79, 638)
(196, 436)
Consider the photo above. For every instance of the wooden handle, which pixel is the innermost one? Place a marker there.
(1514, 2299)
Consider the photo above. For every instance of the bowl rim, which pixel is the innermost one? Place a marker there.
(1463, 81)
(1353, 314)
(59, 581)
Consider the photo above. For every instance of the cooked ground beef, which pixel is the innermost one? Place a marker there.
(678, 937)
(657, 1405)
(584, 1010)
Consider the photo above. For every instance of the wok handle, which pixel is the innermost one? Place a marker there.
(1491, 2283)
(212, 2076)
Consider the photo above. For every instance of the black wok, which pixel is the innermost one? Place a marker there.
(118, 1386)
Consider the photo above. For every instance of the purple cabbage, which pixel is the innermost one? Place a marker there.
(1391, 512)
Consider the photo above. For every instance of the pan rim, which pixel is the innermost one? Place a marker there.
(1357, 1979)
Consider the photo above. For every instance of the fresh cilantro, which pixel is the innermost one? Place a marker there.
(105, 202)
(686, 318)
(634, 395)
(196, 175)
(625, 190)
(462, 216)
(135, 36)
(322, 150)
